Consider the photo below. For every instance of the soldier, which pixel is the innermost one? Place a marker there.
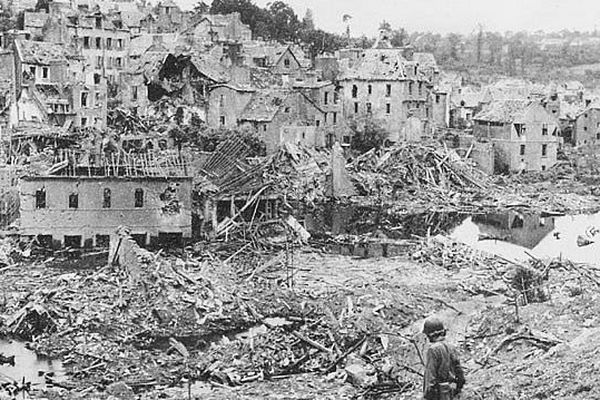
(444, 376)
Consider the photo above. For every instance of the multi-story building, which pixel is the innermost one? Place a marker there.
(525, 136)
(42, 95)
(587, 126)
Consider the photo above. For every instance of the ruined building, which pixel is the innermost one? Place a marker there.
(83, 205)
(384, 85)
(524, 135)
(50, 89)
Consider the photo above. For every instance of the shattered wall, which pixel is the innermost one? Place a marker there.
(104, 203)
(226, 104)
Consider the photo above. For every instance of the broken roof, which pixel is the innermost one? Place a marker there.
(378, 64)
(43, 53)
(264, 105)
(504, 110)
(210, 67)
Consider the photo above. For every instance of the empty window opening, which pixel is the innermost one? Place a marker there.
(522, 150)
(326, 98)
(545, 130)
(134, 93)
(354, 91)
(74, 200)
(102, 240)
(139, 238)
(139, 198)
(106, 198)
(370, 89)
(45, 72)
(40, 198)
(73, 241)
(222, 120)
(355, 108)
(388, 108)
(369, 108)
(388, 90)
(544, 150)
(84, 99)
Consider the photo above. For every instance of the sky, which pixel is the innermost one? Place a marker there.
(445, 16)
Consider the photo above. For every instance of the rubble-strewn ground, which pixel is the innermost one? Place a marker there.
(178, 318)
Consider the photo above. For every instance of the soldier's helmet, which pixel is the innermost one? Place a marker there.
(433, 327)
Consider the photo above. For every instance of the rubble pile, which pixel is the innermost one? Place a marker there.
(414, 165)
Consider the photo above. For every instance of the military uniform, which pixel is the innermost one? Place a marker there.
(444, 376)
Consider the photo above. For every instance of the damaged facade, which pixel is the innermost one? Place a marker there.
(83, 211)
(384, 85)
(525, 136)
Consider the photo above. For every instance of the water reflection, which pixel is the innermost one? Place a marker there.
(28, 365)
(513, 235)
(526, 230)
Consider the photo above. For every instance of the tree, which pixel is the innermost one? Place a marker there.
(308, 22)
(201, 8)
(399, 37)
(285, 25)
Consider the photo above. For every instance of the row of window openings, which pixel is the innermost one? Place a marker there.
(388, 108)
(116, 62)
(522, 129)
(287, 109)
(544, 150)
(585, 128)
(87, 40)
(388, 90)
(85, 99)
(40, 199)
(45, 72)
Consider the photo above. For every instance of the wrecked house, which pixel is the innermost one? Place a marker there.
(281, 116)
(167, 17)
(187, 79)
(586, 129)
(81, 206)
(384, 86)
(525, 136)
(463, 107)
(49, 88)
(217, 28)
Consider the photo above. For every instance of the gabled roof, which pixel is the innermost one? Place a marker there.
(42, 53)
(506, 111)
(378, 64)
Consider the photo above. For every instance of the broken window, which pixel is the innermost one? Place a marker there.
(544, 129)
(265, 127)
(318, 123)
(388, 90)
(522, 150)
(544, 150)
(106, 197)
(134, 93)
(287, 110)
(83, 121)
(45, 72)
(118, 62)
(86, 42)
(99, 22)
(517, 222)
(99, 62)
(139, 198)
(355, 108)
(354, 91)
(97, 98)
(437, 98)
(97, 79)
(410, 88)
(102, 240)
(40, 198)
(222, 120)
(370, 89)
(170, 200)
(420, 88)
(73, 241)
(74, 200)
(388, 108)
(369, 108)
(120, 44)
(32, 72)
(84, 99)
(326, 98)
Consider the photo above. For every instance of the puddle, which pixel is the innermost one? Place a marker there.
(512, 235)
(508, 234)
(28, 365)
